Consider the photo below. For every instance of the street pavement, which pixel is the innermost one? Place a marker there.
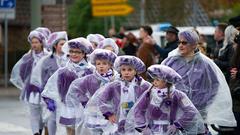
(13, 114)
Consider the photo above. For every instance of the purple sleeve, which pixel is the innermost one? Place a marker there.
(65, 78)
(26, 67)
(140, 90)
(88, 72)
(141, 109)
(81, 90)
(50, 104)
(104, 100)
(49, 67)
(31, 89)
(189, 112)
(86, 87)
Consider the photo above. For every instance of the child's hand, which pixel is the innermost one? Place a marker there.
(146, 131)
(50, 104)
(172, 130)
(112, 118)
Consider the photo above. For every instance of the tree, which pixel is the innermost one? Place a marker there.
(81, 22)
(221, 10)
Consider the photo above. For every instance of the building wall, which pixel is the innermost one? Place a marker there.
(18, 30)
(53, 16)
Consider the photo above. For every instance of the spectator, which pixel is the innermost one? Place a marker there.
(121, 33)
(218, 37)
(111, 33)
(226, 51)
(172, 43)
(146, 49)
(202, 44)
(235, 83)
(131, 46)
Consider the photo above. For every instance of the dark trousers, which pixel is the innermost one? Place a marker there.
(237, 129)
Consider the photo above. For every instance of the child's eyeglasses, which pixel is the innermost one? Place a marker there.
(183, 42)
(75, 52)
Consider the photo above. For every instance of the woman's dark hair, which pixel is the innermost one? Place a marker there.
(131, 38)
(53, 48)
(53, 51)
(139, 79)
(222, 26)
(147, 29)
(85, 57)
(40, 42)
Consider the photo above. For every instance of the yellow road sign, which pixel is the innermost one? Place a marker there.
(111, 10)
(102, 2)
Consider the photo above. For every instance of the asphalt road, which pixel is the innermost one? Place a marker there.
(13, 117)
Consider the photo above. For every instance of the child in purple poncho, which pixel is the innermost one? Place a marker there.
(109, 44)
(95, 39)
(44, 70)
(82, 89)
(58, 84)
(164, 109)
(21, 78)
(117, 97)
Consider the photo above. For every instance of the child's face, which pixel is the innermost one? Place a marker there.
(159, 83)
(127, 72)
(58, 46)
(36, 45)
(76, 55)
(102, 66)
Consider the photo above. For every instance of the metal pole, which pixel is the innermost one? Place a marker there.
(194, 13)
(142, 12)
(36, 13)
(6, 50)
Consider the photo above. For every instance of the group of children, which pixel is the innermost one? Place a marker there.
(81, 86)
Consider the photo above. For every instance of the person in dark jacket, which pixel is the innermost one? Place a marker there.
(131, 46)
(226, 52)
(172, 43)
(218, 37)
(146, 50)
(235, 83)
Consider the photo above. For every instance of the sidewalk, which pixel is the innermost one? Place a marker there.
(9, 92)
